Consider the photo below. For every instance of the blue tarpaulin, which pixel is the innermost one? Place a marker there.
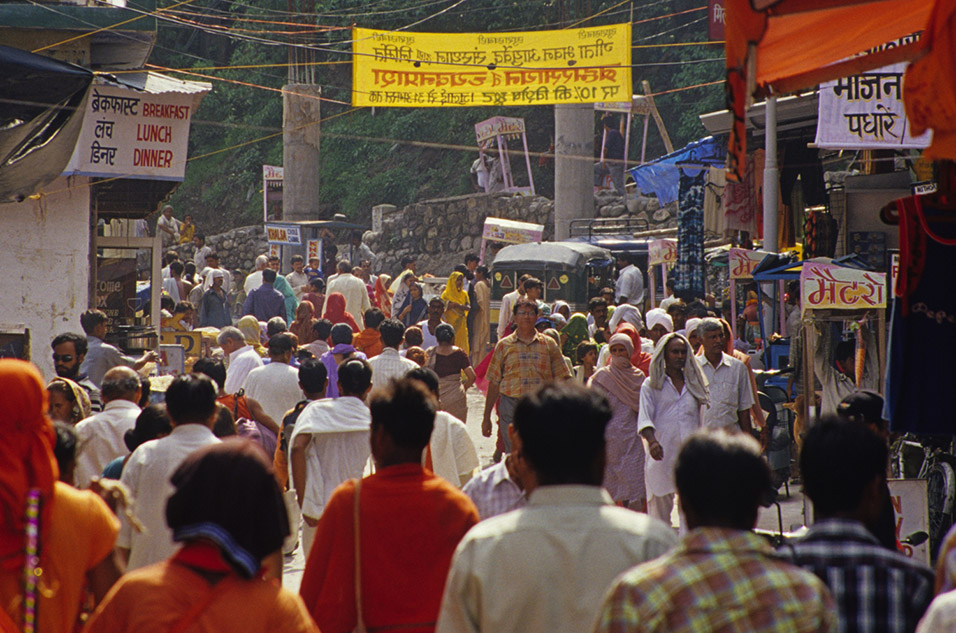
(662, 176)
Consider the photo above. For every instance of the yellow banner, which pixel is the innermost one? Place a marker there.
(403, 69)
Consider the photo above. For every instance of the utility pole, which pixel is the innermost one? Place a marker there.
(300, 133)
(573, 160)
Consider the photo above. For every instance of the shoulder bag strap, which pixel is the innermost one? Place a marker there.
(360, 626)
(235, 403)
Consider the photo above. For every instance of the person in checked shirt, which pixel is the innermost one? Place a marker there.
(722, 576)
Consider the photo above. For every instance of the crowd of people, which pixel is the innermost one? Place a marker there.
(332, 417)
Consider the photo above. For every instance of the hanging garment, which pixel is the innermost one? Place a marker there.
(741, 202)
(713, 200)
(690, 234)
(920, 397)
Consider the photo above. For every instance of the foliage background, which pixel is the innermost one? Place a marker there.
(365, 157)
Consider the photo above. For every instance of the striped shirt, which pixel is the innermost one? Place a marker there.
(718, 580)
(876, 590)
(494, 492)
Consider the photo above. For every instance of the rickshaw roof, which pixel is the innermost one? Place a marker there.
(569, 254)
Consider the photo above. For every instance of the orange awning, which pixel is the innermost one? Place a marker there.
(785, 46)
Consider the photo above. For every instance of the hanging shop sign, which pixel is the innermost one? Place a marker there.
(835, 287)
(866, 112)
(405, 69)
(283, 234)
(133, 134)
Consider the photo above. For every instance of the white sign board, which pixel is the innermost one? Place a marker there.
(866, 112)
(133, 134)
(172, 360)
(283, 234)
(911, 511)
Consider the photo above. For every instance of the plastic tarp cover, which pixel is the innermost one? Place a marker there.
(662, 176)
(39, 101)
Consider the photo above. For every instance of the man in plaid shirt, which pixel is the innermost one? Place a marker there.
(844, 474)
(521, 363)
(722, 576)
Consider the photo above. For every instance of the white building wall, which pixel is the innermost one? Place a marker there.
(44, 265)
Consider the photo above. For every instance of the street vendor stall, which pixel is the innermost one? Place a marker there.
(742, 263)
(499, 129)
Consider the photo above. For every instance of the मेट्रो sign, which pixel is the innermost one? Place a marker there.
(133, 134)
(405, 69)
(662, 251)
(836, 287)
(742, 262)
(866, 112)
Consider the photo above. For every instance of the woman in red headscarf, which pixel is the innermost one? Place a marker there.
(335, 311)
(304, 320)
(51, 532)
(640, 359)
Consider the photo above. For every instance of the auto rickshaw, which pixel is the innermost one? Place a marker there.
(571, 271)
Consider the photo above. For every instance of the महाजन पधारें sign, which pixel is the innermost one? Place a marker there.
(405, 69)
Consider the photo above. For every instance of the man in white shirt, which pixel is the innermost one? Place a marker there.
(669, 413)
(99, 439)
(429, 327)
(389, 363)
(570, 539)
(330, 444)
(630, 282)
(354, 291)
(254, 279)
(202, 251)
(298, 279)
(168, 227)
(275, 386)
(191, 404)
(242, 357)
(505, 313)
(450, 454)
(730, 394)
(170, 257)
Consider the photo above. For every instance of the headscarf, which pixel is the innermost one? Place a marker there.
(335, 311)
(82, 405)
(639, 358)
(26, 456)
(625, 313)
(558, 320)
(577, 331)
(227, 493)
(691, 326)
(694, 378)
(452, 293)
(304, 320)
(419, 306)
(620, 377)
(558, 305)
(656, 316)
(382, 297)
(252, 332)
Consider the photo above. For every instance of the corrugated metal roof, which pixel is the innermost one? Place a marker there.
(156, 83)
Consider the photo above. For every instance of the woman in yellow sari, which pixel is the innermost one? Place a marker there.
(456, 308)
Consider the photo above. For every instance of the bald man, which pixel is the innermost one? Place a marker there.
(100, 437)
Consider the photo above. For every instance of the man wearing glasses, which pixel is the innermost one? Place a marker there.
(521, 362)
(69, 350)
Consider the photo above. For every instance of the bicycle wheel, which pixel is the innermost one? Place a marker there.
(941, 495)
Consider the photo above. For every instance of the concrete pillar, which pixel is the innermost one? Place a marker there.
(573, 165)
(300, 157)
(771, 179)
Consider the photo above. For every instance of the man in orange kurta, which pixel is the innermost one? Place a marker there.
(410, 522)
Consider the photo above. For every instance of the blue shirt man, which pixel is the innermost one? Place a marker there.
(265, 301)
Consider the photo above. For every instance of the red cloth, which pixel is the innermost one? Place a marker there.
(411, 522)
(26, 456)
(335, 311)
(369, 341)
(928, 90)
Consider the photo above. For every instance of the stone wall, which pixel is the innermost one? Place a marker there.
(440, 232)
(237, 249)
